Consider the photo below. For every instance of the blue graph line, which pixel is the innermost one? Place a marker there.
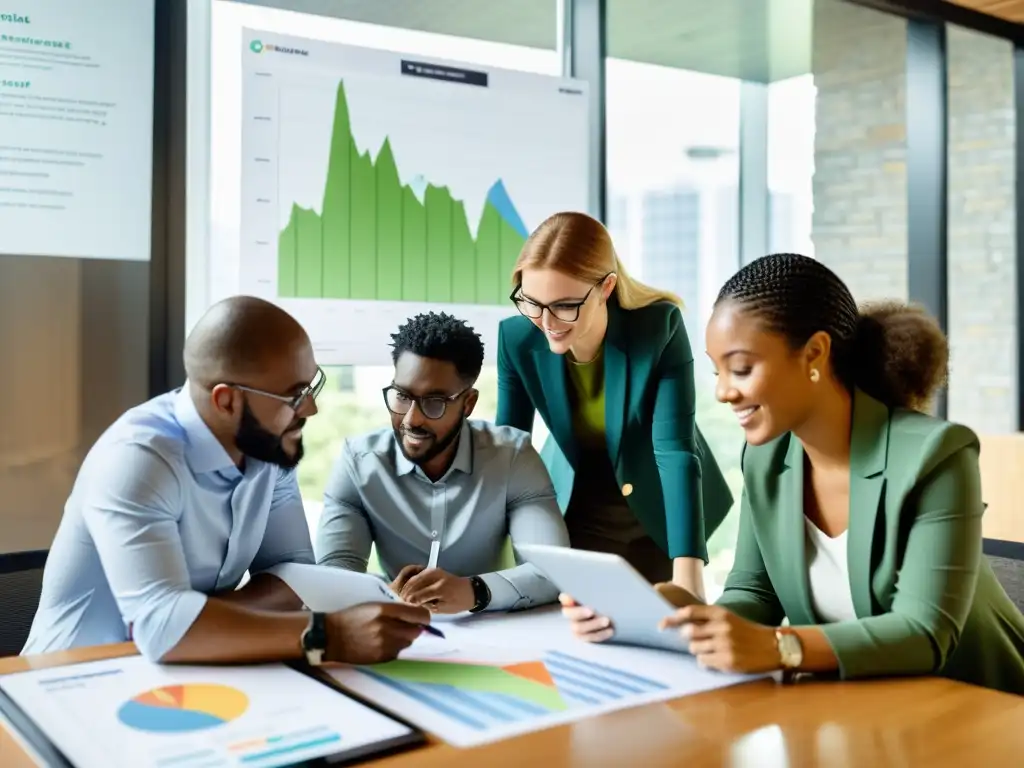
(420, 692)
(589, 666)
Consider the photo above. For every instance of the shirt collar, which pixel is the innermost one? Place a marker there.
(463, 461)
(203, 450)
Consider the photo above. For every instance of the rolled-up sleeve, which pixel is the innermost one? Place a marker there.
(344, 536)
(131, 513)
(533, 518)
(287, 538)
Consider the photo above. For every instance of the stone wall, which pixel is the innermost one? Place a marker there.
(982, 226)
(860, 189)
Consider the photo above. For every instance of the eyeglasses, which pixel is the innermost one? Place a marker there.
(566, 311)
(295, 402)
(399, 402)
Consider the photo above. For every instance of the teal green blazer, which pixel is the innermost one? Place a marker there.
(927, 601)
(678, 491)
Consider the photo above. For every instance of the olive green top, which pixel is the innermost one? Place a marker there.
(658, 454)
(598, 507)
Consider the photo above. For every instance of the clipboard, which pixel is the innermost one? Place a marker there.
(39, 746)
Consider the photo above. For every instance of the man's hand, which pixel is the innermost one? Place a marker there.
(438, 590)
(403, 577)
(373, 632)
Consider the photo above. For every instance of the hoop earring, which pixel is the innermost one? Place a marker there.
(815, 375)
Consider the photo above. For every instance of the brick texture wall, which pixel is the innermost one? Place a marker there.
(982, 226)
(860, 190)
(860, 176)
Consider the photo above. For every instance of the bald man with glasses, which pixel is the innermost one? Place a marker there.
(184, 494)
(437, 493)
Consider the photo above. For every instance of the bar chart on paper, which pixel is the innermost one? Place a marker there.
(369, 194)
(481, 697)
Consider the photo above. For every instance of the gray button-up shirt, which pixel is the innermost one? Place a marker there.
(497, 486)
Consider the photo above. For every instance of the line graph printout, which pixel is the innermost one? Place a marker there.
(376, 185)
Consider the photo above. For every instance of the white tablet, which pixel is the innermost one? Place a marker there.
(613, 588)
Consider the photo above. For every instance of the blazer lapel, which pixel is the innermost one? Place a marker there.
(556, 399)
(616, 380)
(869, 442)
(792, 544)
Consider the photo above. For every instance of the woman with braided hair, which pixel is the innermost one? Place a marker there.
(861, 514)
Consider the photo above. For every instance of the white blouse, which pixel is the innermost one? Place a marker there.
(828, 576)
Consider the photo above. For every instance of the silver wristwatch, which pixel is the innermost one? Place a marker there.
(791, 651)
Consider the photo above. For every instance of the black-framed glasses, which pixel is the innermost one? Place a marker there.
(295, 402)
(567, 311)
(399, 402)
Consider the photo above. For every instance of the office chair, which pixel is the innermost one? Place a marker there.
(21, 581)
(1010, 573)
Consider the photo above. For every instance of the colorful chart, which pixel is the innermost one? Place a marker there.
(482, 695)
(183, 708)
(376, 236)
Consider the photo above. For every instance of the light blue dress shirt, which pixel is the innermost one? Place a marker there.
(497, 487)
(158, 519)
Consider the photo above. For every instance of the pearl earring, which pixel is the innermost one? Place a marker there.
(814, 375)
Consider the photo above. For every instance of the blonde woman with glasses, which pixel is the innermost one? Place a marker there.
(607, 363)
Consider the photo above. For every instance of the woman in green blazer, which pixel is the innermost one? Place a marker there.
(861, 515)
(606, 362)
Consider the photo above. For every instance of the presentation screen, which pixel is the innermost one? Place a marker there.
(375, 185)
(76, 128)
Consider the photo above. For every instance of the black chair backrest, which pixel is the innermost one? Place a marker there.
(1010, 573)
(21, 581)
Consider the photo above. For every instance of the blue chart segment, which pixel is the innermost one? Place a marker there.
(482, 696)
(183, 708)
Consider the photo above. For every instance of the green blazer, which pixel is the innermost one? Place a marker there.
(662, 463)
(927, 601)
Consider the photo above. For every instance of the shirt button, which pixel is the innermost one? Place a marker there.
(627, 489)
(433, 534)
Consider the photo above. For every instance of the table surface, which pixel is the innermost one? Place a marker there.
(926, 721)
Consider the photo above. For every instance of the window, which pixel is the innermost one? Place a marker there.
(981, 227)
(791, 122)
(673, 191)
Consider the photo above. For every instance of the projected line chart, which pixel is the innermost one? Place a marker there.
(378, 238)
(369, 194)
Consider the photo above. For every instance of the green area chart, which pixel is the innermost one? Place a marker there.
(377, 239)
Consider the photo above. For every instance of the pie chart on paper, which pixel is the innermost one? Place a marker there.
(183, 708)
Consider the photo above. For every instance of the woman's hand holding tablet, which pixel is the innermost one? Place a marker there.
(594, 628)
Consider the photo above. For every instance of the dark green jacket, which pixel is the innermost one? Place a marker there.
(926, 598)
(662, 462)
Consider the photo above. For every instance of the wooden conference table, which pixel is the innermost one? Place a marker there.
(906, 723)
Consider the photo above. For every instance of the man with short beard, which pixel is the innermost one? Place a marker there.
(437, 493)
(185, 493)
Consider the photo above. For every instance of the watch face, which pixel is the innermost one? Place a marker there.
(792, 651)
(315, 636)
